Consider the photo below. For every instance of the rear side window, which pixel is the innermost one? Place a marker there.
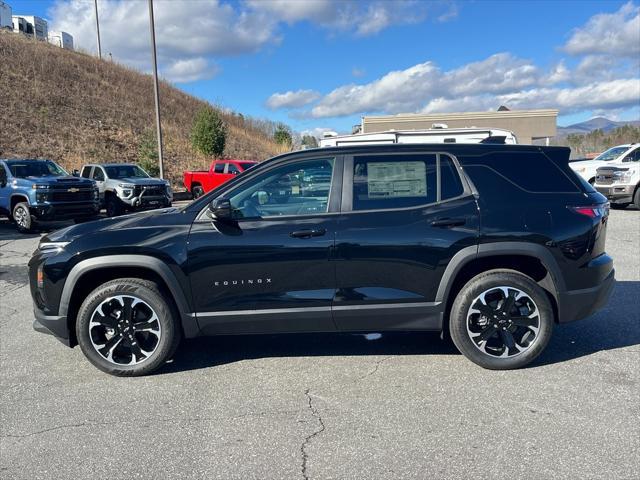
(219, 168)
(393, 181)
(86, 172)
(531, 171)
(233, 169)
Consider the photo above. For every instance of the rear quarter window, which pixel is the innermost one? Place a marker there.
(530, 171)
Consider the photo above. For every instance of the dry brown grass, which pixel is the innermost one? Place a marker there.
(75, 109)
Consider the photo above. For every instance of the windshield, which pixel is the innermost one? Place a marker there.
(611, 154)
(35, 168)
(246, 165)
(125, 171)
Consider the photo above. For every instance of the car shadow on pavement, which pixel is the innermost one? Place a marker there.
(617, 326)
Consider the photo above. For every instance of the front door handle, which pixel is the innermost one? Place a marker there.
(308, 233)
(448, 222)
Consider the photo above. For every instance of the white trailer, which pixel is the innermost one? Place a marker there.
(437, 134)
(34, 26)
(6, 17)
(61, 39)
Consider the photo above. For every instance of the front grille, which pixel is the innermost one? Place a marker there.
(67, 196)
(150, 191)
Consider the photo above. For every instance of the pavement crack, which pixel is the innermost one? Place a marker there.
(375, 368)
(58, 427)
(321, 427)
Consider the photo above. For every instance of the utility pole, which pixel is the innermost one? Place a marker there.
(95, 3)
(155, 87)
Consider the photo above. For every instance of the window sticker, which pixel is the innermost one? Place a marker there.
(397, 179)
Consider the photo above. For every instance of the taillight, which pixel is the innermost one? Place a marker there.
(592, 211)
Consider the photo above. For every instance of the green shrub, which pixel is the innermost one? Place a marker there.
(209, 133)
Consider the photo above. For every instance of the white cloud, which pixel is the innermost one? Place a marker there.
(608, 33)
(186, 32)
(358, 72)
(190, 70)
(292, 99)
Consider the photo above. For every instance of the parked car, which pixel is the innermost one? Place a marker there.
(496, 244)
(620, 182)
(35, 191)
(587, 168)
(220, 171)
(127, 187)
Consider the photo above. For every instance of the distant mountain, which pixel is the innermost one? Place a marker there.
(595, 123)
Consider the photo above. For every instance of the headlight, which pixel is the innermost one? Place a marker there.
(96, 193)
(35, 186)
(580, 169)
(126, 185)
(52, 246)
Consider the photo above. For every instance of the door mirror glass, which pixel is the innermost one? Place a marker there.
(76, 173)
(220, 208)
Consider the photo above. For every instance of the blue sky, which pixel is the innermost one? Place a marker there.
(318, 64)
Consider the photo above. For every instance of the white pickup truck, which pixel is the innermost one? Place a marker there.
(587, 168)
(620, 181)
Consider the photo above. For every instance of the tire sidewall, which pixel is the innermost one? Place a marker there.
(165, 315)
(636, 198)
(29, 220)
(487, 281)
(112, 207)
(198, 191)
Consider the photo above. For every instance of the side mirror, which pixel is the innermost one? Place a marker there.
(220, 208)
(76, 173)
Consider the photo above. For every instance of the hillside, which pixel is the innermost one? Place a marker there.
(597, 123)
(75, 109)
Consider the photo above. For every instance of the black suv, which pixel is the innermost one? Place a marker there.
(494, 244)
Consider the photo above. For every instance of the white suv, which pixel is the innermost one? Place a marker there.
(620, 181)
(587, 168)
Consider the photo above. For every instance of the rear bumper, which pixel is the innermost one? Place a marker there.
(617, 193)
(579, 304)
(55, 325)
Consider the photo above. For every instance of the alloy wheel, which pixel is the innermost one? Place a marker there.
(20, 216)
(503, 322)
(125, 330)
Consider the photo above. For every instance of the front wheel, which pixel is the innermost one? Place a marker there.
(113, 207)
(126, 327)
(501, 320)
(636, 198)
(22, 217)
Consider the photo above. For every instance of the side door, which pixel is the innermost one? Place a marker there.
(404, 216)
(5, 204)
(269, 268)
(99, 177)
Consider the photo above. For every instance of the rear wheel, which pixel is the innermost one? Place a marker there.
(22, 217)
(197, 191)
(126, 328)
(501, 320)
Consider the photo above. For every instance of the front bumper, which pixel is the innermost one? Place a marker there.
(52, 325)
(64, 211)
(617, 193)
(578, 304)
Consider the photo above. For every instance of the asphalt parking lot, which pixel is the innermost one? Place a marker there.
(326, 406)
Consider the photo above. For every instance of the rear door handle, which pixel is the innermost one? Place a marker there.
(448, 222)
(308, 233)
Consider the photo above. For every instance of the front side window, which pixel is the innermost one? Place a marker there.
(35, 168)
(98, 175)
(219, 168)
(300, 188)
(633, 156)
(394, 181)
(86, 172)
(119, 172)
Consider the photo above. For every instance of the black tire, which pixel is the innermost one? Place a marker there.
(636, 198)
(197, 191)
(113, 206)
(619, 206)
(461, 321)
(22, 217)
(164, 345)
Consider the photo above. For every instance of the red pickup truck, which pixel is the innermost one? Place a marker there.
(220, 171)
